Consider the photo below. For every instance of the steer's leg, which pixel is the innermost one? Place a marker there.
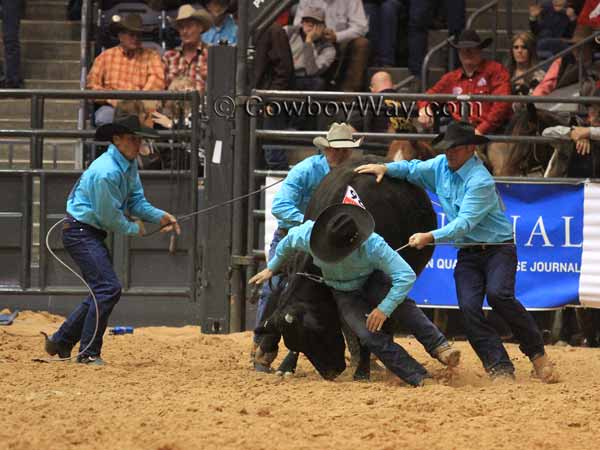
(353, 344)
(288, 365)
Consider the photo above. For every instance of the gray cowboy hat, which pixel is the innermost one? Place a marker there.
(338, 136)
(130, 22)
(189, 12)
(124, 125)
(339, 230)
(469, 39)
(456, 135)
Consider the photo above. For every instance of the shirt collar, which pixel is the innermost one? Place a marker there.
(226, 23)
(123, 163)
(467, 166)
(200, 47)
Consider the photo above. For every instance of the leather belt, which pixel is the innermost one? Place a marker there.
(484, 247)
(71, 222)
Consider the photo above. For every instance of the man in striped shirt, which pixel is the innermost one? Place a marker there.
(127, 66)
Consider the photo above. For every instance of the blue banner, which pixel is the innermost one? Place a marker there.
(548, 224)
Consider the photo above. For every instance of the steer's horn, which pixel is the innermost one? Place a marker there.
(289, 318)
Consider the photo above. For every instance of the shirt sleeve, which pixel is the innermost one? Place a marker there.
(140, 207)
(298, 238)
(280, 59)
(443, 86)
(421, 173)
(286, 201)
(548, 83)
(478, 201)
(104, 197)
(357, 23)
(402, 275)
(156, 73)
(94, 78)
(500, 111)
(318, 61)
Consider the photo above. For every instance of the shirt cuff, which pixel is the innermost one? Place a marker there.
(274, 263)
(397, 169)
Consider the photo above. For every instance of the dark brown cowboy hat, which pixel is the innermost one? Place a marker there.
(469, 39)
(124, 125)
(456, 135)
(130, 22)
(339, 230)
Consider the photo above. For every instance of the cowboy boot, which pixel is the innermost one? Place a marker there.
(447, 355)
(544, 369)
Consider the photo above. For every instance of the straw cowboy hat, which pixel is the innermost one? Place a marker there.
(456, 135)
(189, 12)
(124, 125)
(339, 230)
(338, 136)
(130, 22)
(469, 39)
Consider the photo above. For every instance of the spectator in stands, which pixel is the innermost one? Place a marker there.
(190, 59)
(224, 28)
(125, 67)
(383, 30)
(12, 11)
(522, 57)
(564, 71)
(273, 70)
(419, 19)
(553, 23)
(312, 54)
(346, 26)
(476, 76)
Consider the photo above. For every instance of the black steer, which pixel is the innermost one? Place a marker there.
(303, 312)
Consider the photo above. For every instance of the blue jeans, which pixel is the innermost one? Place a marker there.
(88, 250)
(354, 308)
(11, 20)
(492, 272)
(263, 300)
(383, 30)
(419, 20)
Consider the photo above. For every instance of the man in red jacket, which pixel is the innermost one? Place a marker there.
(476, 76)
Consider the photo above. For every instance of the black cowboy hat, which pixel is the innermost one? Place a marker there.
(457, 134)
(124, 125)
(339, 230)
(469, 39)
(130, 22)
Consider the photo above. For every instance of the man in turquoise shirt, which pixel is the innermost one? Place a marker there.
(345, 248)
(97, 204)
(468, 196)
(224, 27)
(295, 192)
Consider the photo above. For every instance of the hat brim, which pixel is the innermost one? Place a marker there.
(471, 44)
(439, 143)
(321, 246)
(323, 143)
(106, 132)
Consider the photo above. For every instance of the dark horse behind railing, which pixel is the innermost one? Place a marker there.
(522, 158)
(305, 312)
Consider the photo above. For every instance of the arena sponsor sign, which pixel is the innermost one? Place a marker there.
(557, 233)
(548, 225)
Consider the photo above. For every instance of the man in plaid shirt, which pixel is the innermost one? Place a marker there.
(189, 60)
(127, 66)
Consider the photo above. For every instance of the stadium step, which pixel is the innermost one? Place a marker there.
(57, 154)
(48, 49)
(46, 10)
(520, 17)
(50, 124)
(50, 30)
(51, 69)
(33, 83)
(55, 109)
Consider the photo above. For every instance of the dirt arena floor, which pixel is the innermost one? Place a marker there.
(176, 389)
